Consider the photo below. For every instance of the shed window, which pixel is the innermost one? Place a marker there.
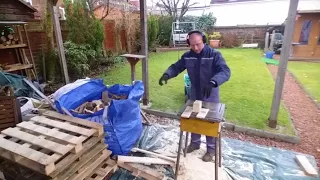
(305, 32)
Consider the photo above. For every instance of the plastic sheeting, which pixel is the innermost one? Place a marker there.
(241, 160)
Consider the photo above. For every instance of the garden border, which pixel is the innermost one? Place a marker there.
(313, 99)
(236, 128)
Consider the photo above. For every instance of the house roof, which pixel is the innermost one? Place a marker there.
(28, 5)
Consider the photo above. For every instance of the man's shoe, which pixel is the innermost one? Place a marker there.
(192, 148)
(208, 157)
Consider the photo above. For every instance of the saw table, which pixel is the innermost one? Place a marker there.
(210, 125)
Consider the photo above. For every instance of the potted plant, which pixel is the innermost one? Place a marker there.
(215, 39)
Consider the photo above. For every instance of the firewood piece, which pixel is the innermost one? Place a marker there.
(197, 105)
(143, 160)
(146, 172)
(10, 36)
(16, 38)
(105, 98)
(154, 154)
(13, 42)
(306, 166)
(88, 111)
(145, 117)
(8, 42)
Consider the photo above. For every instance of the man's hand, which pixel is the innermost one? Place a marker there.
(165, 78)
(206, 92)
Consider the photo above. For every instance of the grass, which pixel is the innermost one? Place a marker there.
(308, 74)
(248, 94)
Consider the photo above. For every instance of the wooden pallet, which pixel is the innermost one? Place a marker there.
(104, 170)
(9, 112)
(43, 142)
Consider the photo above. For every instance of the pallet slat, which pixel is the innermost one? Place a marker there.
(51, 133)
(38, 141)
(102, 172)
(79, 121)
(64, 126)
(23, 151)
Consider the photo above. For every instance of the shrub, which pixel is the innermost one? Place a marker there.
(230, 40)
(78, 58)
(165, 24)
(153, 30)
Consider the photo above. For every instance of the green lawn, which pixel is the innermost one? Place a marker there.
(308, 74)
(248, 94)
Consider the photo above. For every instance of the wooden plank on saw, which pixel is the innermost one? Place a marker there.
(37, 140)
(187, 112)
(90, 167)
(203, 113)
(75, 120)
(142, 160)
(77, 166)
(306, 165)
(64, 126)
(52, 133)
(145, 172)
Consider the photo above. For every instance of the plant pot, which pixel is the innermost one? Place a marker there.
(214, 43)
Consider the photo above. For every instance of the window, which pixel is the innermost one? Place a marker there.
(305, 32)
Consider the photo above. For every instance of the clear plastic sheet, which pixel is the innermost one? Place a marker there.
(241, 160)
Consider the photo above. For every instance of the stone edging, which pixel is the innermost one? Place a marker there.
(304, 89)
(236, 128)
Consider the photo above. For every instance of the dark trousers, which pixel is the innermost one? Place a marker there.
(196, 141)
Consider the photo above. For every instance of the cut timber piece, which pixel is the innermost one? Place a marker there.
(90, 167)
(306, 165)
(203, 113)
(75, 120)
(142, 160)
(187, 112)
(38, 141)
(63, 125)
(154, 154)
(197, 105)
(145, 172)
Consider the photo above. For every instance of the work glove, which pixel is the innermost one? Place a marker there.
(206, 91)
(165, 78)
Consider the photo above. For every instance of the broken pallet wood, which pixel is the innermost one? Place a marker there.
(143, 160)
(154, 154)
(306, 166)
(144, 172)
(41, 143)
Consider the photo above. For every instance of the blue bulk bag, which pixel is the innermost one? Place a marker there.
(124, 120)
(123, 123)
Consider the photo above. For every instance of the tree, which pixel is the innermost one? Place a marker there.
(94, 4)
(171, 7)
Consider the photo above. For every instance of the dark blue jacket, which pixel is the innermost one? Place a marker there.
(202, 68)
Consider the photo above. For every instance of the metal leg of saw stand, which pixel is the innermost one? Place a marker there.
(216, 134)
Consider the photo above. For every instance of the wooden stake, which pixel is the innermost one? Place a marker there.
(284, 57)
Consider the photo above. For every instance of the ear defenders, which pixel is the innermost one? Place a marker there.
(204, 38)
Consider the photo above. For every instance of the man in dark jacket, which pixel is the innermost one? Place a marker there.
(207, 70)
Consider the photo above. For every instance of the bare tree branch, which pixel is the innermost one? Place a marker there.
(171, 7)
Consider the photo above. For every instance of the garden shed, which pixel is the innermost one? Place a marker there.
(15, 50)
(306, 38)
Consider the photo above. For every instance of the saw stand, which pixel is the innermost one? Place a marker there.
(207, 120)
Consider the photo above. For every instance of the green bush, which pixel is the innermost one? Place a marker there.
(204, 22)
(78, 58)
(83, 27)
(165, 24)
(153, 30)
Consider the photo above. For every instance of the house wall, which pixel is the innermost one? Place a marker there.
(312, 49)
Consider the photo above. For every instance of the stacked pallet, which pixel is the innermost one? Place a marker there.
(57, 147)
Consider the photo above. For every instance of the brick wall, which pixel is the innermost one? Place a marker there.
(245, 34)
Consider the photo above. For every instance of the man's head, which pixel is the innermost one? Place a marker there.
(196, 42)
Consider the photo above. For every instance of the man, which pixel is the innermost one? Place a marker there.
(207, 70)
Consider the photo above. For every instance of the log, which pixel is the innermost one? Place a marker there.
(10, 36)
(3, 39)
(143, 160)
(8, 42)
(15, 37)
(154, 154)
(13, 42)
